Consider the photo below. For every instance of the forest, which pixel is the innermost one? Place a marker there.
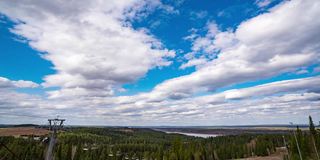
(117, 143)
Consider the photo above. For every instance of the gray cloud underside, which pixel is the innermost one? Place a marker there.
(281, 100)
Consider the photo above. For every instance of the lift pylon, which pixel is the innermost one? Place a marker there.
(54, 125)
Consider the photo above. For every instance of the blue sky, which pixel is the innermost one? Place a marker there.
(19, 56)
(144, 62)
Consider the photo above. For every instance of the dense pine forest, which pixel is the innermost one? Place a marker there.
(88, 143)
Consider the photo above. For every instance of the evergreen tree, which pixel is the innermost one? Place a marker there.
(312, 127)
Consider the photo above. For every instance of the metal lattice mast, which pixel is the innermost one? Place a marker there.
(55, 125)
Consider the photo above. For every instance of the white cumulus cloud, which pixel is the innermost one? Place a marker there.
(6, 83)
(267, 45)
(91, 44)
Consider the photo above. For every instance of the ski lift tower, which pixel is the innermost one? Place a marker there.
(54, 125)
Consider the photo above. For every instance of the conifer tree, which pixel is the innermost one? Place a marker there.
(312, 127)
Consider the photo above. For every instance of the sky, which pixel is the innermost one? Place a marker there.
(160, 62)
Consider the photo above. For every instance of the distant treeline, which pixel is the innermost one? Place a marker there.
(85, 143)
(17, 125)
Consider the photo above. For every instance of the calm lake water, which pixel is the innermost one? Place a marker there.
(194, 134)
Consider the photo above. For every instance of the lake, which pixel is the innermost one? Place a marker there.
(193, 134)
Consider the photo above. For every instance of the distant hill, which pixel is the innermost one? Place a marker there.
(25, 125)
(17, 125)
